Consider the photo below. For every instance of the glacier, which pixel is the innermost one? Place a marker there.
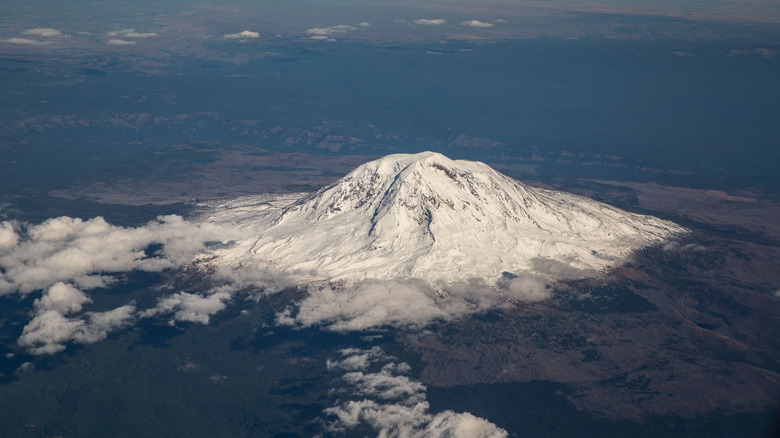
(425, 216)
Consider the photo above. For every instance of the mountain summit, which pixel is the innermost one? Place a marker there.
(429, 217)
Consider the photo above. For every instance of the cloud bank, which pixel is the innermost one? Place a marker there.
(77, 251)
(406, 303)
(64, 256)
(393, 404)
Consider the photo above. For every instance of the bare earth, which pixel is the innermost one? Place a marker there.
(685, 330)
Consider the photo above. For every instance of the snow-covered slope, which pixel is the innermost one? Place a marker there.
(429, 217)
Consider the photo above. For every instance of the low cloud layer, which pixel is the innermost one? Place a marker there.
(80, 252)
(63, 257)
(406, 303)
(393, 404)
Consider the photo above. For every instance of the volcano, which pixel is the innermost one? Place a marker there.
(440, 220)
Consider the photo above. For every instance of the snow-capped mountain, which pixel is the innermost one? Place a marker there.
(429, 217)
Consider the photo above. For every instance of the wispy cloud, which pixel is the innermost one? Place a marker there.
(430, 22)
(329, 31)
(321, 38)
(677, 246)
(43, 32)
(27, 41)
(476, 23)
(118, 42)
(242, 34)
(131, 33)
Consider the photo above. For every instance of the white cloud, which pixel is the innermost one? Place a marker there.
(465, 425)
(191, 307)
(500, 20)
(27, 41)
(528, 289)
(43, 32)
(242, 34)
(8, 236)
(395, 406)
(49, 330)
(401, 421)
(131, 33)
(475, 23)
(430, 22)
(63, 298)
(76, 251)
(386, 385)
(357, 359)
(118, 42)
(407, 303)
(364, 24)
(104, 322)
(366, 305)
(65, 255)
(328, 31)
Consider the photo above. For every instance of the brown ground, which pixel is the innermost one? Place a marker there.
(683, 331)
